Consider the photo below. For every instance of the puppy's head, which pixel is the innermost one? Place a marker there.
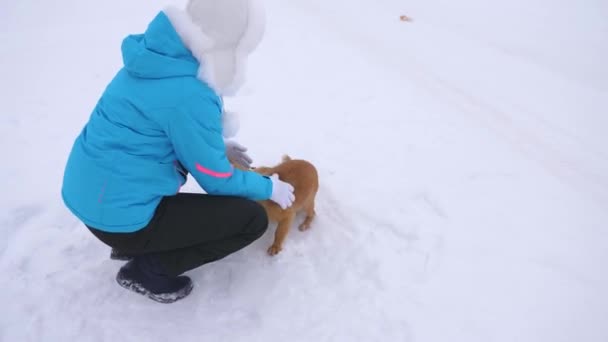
(268, 171)
(238, 166)
(263, 170)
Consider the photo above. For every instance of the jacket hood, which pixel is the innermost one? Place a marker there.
(158, 53)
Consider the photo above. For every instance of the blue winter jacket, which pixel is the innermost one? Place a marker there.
(154, 118)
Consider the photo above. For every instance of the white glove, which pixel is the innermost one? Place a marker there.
(236, 154)
(282, 193)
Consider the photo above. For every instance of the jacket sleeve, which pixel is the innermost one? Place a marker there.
(196, 134)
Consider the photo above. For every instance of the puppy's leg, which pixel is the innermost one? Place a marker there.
(281, 233)
(310, 214)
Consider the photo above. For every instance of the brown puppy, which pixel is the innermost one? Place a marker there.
(303, 176)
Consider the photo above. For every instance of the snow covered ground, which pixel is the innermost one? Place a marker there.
(463, 161)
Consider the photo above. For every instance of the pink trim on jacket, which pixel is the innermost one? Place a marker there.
(212, 173)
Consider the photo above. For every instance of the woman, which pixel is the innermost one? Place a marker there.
(160, 118)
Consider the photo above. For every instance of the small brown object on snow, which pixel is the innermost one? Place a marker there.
(303, 176)
(405, 18)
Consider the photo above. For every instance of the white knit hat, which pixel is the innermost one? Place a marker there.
(220, 34)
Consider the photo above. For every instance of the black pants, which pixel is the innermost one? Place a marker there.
(189, 230)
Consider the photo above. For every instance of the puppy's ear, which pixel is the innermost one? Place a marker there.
(286, 158)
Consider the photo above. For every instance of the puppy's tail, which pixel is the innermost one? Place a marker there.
(286, 158)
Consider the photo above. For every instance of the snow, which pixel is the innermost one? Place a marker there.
(462, 157)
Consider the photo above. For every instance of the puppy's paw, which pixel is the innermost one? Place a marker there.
(304, 226)
(274, 250)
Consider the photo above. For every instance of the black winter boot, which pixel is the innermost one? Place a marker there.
(144, 276)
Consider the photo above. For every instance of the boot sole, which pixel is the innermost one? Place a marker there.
(165, 298)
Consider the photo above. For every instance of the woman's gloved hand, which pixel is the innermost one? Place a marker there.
(282, 192)
(236, 154)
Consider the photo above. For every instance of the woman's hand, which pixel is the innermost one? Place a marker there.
(236, 154)
(282, 192)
